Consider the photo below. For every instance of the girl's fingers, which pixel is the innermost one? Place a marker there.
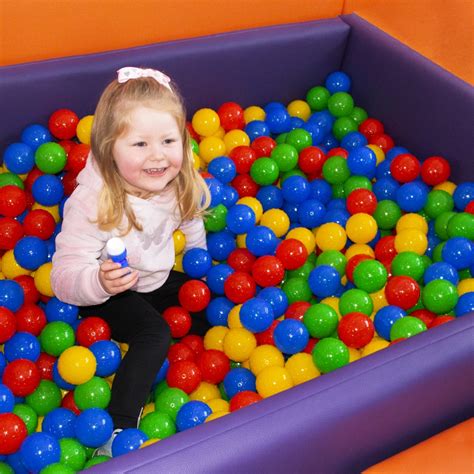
(117, 272)
(125, 282)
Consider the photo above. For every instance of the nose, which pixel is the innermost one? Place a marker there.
(157, 152)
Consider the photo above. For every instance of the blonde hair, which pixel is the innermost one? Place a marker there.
(111, 119)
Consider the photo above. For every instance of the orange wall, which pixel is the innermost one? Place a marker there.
(41, 29)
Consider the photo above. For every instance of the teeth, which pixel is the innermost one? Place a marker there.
(155, 170)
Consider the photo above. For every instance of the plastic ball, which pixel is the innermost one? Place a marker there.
(238, 344)
(56, 310)
(77, 365)
(459, 252)
(321, 320)
(440, 296)
(63, 123)
(273, 380)
(405, 168)
(240, 219)
(12, 433)
(231, 116)
(222, 168)
(12, 201)
(330, 354)
(292, 253)
(39, 450)
(43, 279)
(285, 156)
(239, 380)
(192, 414)
(108, 357)
(56, 337)
(185, 375)
(324, 280)
(355, 330)
(34, 135)
(402, 291)
(361, 228)
(157, 425)
(59, 423)
(22, 345)
(441, 271)
(331, 236)
(7, 324)
(411, 240)
(355, 300)
(435, 170)
(19, 158)
(170, 400)
(370, 275)
(463, 194)
(197, 262)
(291, 336)
(362, 161)
(22, 377)
(465, 304)
(50, 158)
(406, 327)
(7, 400)
(84, 128)
(214, 366)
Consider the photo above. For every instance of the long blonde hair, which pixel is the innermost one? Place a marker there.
(110, 122)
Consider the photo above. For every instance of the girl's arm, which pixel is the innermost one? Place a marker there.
(195, 233)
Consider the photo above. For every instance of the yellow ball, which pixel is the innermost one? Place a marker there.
(412, 221)
(218, 404)
(84, 128)
(148, 408)
(354, 354)
(77, 365)
(240, 240)
(53, 210)
(359, 249)
(447, 186)
(332, 301)
(361, 228)
(264, 356)
(214, 338)
(204, 392)
(215, 415)
(305, 236)
(210, 148)
(233, 319)
(273, 380)
(206, 122)
(376, 344)
(149, 442)
(123, 347)
(42, 279)
(219, 134)
(178, 263)
(10, 267)
(253, 113)
(301, 368)
(379, 299)
(39, 426)
(299, 108)
(331, 236)
(197, 162)
(413, 240)
(276, 220)
(254, 204)
(379, 154)
(179, 240)
(235, 138)
(239, 344)
(466, 286)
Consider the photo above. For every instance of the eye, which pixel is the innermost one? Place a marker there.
(169, 141)
(140, 144)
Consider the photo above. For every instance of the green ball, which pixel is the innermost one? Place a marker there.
(342, 126)
(293, 172)
(222, 389)
(464, 273)
(341, 104)
(312, 258)
(370, 276)
(285, 156)
(317, 98)
(358, 114)
(57, 468)
(333, 258)
(338, 191)
(299, 138)
(264, 171)
(437, 202)
(320, 320)
(357, 182)
(408, 264)
(335, 170)
(355, 300)
(440, 296)
(441, 224)
(437, 252)
(11, 179)
(45, 398)
(96, 460)
(157, 425)
(56, 337)
(169, 401)
(387, 214)
(329, 354)
(461, 225)
(302, 271)
(162, 386)
(297, 289)
(6, 469)
(280, 139)
(50, 158)
(73, 453)
(195, 146)
(95, 393)
(28, 415)
(406, 327)
(215, 221)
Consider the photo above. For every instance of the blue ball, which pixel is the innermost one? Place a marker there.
(277, 118)
(7, 400)
(222, 168)
(161, 375)
(35, 135)
(229, 196)
(11, 295)
(291, 336)
(93, 427)
(256, 129)
(3, 364)
(385, 189)
(394, 152)
(316, 132)
(363, 162)
(239, 380)
(295, 189)
(197, 262)
(22, 345)
(261, 240)
(383, 170)
(19, 158)
(353, 140)
(31, 252)
(277, 299)
(324, 281)
(459, 252)
(59, 381)
(296, 122)
(128, 440)
(384, 319)
(39, 450)
(412, 197)
(270, 197)
(191, 414)
(215, 188)
(291, 209)
(441, 271)
(338, 81)
(256, 315)
(220, 244)
(47, 190)
(218, 310)
(56, 310)
(59, 423)
(15, 461)
(240, 219)
(108, 357)
(324, 120)
(216, 277)
(463, 195)
(340, 216)
(311, 213)
(337, 203)
(433, 241)
(320, 190)
(329, 142)
(465, 304)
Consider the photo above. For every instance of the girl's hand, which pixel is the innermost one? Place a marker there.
(115, 279)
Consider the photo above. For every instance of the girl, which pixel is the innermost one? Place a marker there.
(139, 184)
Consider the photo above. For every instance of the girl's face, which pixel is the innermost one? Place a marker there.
(149, 154)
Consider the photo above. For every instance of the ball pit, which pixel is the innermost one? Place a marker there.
(238, 343)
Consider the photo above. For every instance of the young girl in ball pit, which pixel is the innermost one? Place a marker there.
(139, 184)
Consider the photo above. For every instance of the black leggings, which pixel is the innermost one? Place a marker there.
(135, 319)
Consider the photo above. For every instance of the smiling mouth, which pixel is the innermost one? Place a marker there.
(155, 171)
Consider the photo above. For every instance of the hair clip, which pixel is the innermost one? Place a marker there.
(127, 73)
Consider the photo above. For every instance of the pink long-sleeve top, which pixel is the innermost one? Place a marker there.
(80, 246)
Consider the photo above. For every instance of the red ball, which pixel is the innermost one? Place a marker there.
(239, 287)
(7, 324)
(243, 399)
(268, 271)
(63, 123)
(435, 170)
(241, 260)
(77, 158)
(311, 160)
(12, 433)
(214, 366)
(69, 182)
(310, 346)
(352, 264)
(338, 151)
(405, 168)
(425, 315)
(266, 337)
(383, 141)
(180, 351)
(193, 132)
(361, 200)
(194, 296)
(33, 175)
(69, 403)
(67, 145)
(292, 253)
(470, 208)
(355, 330)
(371, 127)
(245, 185)
(402, 291)
(39, 223)
(195, 342)
(441, 320)
(12, 201)
(297, 310)
(30, 291)
(22, 377)
(30, 318)
(385, 249)
(11, 231)
(243, 157)
(263, 146)
(92, 329)
(231, 116)
(184, 375)
(45, 364)
(178, 319)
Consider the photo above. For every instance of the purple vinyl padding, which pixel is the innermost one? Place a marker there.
(350, 419)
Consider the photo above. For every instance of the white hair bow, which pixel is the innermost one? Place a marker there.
(127, 73)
